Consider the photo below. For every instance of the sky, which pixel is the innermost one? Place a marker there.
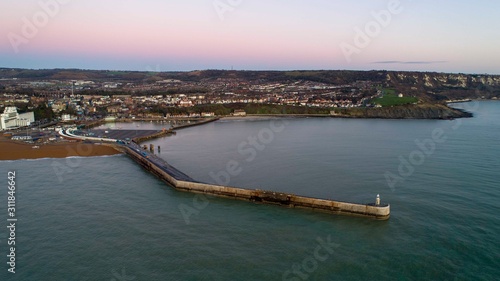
(460, 36)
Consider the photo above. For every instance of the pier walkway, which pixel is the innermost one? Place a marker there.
(161, 164)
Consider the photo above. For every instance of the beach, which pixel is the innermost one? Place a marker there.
(13, 150)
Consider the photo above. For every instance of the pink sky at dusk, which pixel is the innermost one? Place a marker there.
(453, 36)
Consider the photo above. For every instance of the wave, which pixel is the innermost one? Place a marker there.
(31, 160)
(56, 158)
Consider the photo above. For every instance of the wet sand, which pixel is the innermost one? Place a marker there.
(13, 150)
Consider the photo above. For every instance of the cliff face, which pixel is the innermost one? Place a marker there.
(420, 111)
(438, 80)
(442, 87)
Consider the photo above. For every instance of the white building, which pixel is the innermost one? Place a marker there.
(11, 119)
(68, 117)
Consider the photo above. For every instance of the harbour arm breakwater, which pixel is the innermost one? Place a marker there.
(180, 181)
(172, 130)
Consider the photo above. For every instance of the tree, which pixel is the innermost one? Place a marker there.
(44, 112)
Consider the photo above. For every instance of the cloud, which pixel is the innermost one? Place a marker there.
(409, 62)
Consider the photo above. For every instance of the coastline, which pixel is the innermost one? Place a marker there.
(12, 150)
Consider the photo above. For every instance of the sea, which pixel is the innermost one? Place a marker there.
(106, 218)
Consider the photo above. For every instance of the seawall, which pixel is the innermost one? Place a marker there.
(154, 136)
(194, 124)
(173, 129)
(182, 182)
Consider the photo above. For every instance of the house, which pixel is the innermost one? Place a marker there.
(239, 112)
(68, 117)
(207, 114)
(58, 106)
(114, 109)
(185, 103)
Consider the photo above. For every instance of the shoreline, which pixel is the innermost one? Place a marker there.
(13, 150)
(424, 111)
(470, 100)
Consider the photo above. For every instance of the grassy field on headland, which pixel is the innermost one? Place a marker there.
(394, 100)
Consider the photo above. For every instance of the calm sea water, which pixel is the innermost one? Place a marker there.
(105, 218)
(145, 125)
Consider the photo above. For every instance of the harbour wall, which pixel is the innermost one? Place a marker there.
(194, 124)
(182, 182)
(381, 212)
(154, 136)
(172, 130)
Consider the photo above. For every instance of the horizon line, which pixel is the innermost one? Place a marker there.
(247, 70)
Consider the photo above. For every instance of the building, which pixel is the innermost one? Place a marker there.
(68, 117)
(239, 112)
(11, 119)
(207, 114)
(114, 109)
(58, 106)
(185, 103)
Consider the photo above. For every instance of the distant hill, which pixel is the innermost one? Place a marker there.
(427, 86)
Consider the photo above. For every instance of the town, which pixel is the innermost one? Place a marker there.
(86, 95)
(69, 100)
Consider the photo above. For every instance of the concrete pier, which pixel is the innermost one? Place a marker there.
(183, 182)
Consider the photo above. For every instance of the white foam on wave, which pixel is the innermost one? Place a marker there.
(52, 158)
